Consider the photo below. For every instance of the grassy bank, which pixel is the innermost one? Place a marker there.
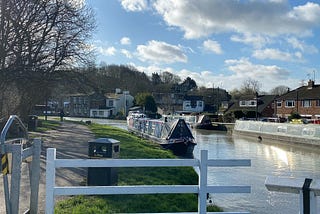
(133, 147)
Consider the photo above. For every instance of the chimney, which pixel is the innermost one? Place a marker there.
(310, 84)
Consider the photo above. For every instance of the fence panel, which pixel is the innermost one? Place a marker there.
(202, 189)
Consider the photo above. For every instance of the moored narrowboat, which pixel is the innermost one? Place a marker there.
(174, 135)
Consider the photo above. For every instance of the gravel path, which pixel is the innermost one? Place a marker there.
(70, 141)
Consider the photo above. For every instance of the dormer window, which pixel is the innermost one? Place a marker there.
(247, 103)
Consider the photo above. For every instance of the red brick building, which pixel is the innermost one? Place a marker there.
(304, 100)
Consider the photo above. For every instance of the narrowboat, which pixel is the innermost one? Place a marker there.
(174, 135)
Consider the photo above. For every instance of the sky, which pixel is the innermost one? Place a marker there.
(218, 43)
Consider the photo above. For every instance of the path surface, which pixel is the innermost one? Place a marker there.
(70, 141)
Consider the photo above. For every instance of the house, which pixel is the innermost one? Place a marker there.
(193, 104)
(252, 106)
(168, 103)
(100, 105)
(304, 100)
(80, 104)
(119, 101)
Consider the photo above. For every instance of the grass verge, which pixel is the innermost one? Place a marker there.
(132, 147)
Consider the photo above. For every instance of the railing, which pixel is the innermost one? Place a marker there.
(201, 189)
(307, 189)
(19, 151)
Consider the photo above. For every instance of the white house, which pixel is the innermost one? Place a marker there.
(119, 101)
(193, 104)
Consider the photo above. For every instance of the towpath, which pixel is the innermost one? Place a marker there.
(70, 141)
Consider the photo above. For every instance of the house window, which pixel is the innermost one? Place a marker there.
(110, 102)
(252, 103)
(290, 103)
(317, 102)
(242, 103)
(248, 103)
(306, 103)
(279, 104)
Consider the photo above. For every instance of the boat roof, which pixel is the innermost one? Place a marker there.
(179, 129)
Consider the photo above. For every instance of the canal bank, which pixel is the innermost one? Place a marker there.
(305, 134)
(267, 158)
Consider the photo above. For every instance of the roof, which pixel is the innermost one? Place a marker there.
(193, 97)
(263, 102)
(112, 96)
(302, 93)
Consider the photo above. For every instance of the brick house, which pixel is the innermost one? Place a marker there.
(252, 106)
(304, 100)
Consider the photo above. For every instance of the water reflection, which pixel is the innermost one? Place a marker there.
(267, 159)
(280, 155)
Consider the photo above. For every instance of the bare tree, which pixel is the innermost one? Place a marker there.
(250, 86)
(168, 77)
(38, 38)
(279, 90)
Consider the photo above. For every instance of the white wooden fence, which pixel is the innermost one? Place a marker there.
(201, 189)
(308, 190)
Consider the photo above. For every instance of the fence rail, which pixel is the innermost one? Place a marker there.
(201, 189)
(308, 190)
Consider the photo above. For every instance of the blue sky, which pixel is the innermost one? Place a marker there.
(218, 43)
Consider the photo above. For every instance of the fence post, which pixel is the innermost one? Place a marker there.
(35, 176)
(202, 196)
(15, 177)
(50, 180)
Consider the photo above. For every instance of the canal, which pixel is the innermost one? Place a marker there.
(267, 159)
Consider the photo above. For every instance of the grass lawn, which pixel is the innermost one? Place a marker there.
(132, 147)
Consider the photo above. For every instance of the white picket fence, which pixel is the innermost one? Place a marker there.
(201, 189)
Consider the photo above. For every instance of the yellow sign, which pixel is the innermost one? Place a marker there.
(4, 164)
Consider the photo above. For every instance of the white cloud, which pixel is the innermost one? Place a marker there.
(309, 13)
(125, 41)
(110, 51)
(134, 5)
(241, 70)
(203, 18)
(244, 68)
(126, 53)
(161, 52)
(273, 54)
(212, 46)
(300, 45)
(257, 41)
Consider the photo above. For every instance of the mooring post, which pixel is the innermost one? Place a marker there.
(305, 196)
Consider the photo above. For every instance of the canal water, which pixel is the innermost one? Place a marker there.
(267, 159)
